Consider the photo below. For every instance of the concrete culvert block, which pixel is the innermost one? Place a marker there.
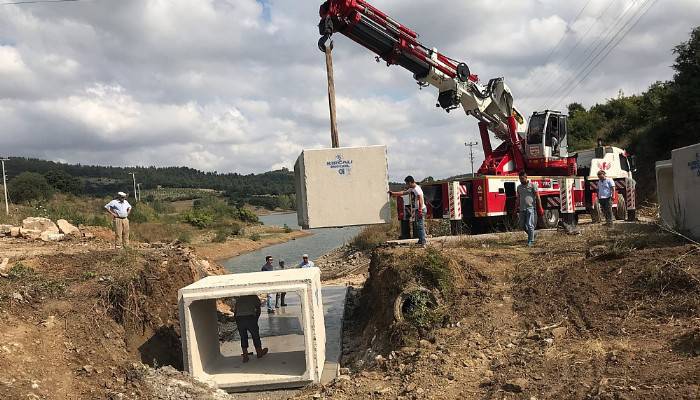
(415, 299)
(297, 360)
(342, 187)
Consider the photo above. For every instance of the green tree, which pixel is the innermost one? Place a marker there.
(63, 181)
(29, 186)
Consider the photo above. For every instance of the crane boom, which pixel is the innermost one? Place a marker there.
(492, 104)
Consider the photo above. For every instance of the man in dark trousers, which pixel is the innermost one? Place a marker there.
(528, 199)
(246, 313)
(606, 189)
(418, 207)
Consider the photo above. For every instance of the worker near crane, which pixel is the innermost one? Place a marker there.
(528, 198)
(120, 209)
(606, 187)
(247, 312)
(418, 207)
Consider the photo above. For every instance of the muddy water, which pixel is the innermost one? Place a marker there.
(319, 243)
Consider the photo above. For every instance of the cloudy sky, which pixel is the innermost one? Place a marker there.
(239, 85)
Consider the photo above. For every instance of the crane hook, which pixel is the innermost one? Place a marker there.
(325, 28)
(325, 42)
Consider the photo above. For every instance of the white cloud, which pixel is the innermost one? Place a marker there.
(231, 85)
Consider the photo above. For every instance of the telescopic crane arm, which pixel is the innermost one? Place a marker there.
(491, 104)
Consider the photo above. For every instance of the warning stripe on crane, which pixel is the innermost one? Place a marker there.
(454, 191)
(463, 190)
(552, 202)
(566, 196)
(630, 194)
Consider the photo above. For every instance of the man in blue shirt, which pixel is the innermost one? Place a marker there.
(606, 188)
(305, 262)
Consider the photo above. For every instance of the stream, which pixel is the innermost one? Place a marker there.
(319, 243)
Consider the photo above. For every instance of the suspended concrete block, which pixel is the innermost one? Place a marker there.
(342, 187)
(299, 365)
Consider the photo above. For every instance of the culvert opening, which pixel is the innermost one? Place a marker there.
(416, 306)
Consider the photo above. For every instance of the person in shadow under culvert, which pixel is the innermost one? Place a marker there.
(247, 313)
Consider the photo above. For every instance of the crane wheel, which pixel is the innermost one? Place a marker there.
(621, 210)
(549, 220)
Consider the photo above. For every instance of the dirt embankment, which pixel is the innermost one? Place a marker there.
(237, 246)
(604, 315)
(78, 324)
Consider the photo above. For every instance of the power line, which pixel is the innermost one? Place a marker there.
(567, 30)
(609, 49)
(606, 37)
(551, 84)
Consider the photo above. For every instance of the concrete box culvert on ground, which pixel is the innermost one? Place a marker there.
(342, 187)
(281, 368)
(678, 190)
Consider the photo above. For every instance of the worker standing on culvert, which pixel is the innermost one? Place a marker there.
(418, 206)
(247, 313)
(528, 197)
(270, 296)
(305, 262)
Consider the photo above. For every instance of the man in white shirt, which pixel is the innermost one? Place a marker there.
(418, 206)
(305, 262)
(606, 188)
(120, 209)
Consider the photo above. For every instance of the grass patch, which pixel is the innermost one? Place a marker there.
(372, 236)
(20, 271)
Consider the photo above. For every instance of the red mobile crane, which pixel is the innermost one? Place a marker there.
(479, 201)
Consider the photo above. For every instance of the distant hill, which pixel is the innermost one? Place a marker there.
(106, 180)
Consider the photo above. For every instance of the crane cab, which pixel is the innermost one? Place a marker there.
(547, 136)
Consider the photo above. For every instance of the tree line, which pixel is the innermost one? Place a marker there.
(35, 179)
(651, 124)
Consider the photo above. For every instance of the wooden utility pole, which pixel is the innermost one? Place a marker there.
(328, 50)
(133, 176)
(4, 185)
(471, 153)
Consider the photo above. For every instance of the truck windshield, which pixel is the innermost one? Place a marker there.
(536, 128)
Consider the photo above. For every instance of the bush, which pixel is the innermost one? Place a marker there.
(371, 237)
(143, 213)
(198, 218)
(29, 186)
(185, 237)
(255, 237)
(220, 236)
(246, 215)
(287, 229)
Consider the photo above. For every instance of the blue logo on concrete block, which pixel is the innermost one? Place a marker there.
(695, 165)
(339, 164)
